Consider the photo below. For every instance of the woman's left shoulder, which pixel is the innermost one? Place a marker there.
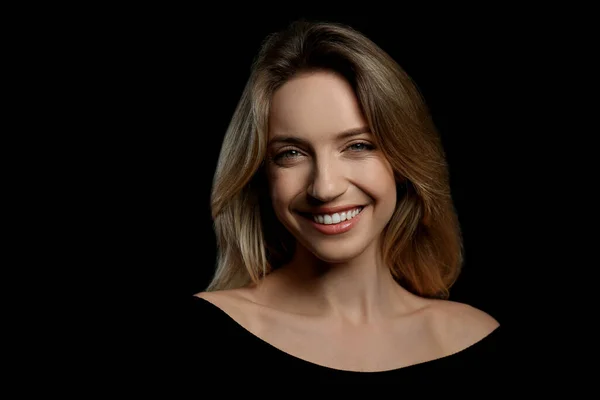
(459, 325)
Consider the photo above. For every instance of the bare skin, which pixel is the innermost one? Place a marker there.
(389, 330)
(336, 304)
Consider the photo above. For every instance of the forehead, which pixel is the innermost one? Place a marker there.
(314, 105)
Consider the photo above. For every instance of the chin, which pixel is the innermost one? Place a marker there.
(334, 253)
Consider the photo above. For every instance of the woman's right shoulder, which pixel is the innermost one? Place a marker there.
(205, 320)
(222, 299)
(208, 336)
(208, 305)
(223, 306)
(216, 324)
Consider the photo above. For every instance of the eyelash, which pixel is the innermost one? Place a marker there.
(367, 147)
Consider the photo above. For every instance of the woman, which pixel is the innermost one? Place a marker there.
(337, 237)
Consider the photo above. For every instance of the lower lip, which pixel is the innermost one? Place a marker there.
(336, 229)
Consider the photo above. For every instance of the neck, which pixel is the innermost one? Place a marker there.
(359, 290)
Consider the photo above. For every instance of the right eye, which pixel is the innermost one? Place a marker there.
(286, 154)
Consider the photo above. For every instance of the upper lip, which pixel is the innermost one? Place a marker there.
(333, 210)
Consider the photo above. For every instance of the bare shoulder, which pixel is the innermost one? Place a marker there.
(233, 302)
(223, 297)
(212, 296)
(460, 325)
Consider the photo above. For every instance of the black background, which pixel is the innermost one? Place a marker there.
(134, 102)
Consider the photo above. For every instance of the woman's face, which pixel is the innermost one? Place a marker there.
(329, 185)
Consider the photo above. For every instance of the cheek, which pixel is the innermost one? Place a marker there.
(284, 187)
(377, 178)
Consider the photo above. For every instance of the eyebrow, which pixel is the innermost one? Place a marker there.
(299, 141)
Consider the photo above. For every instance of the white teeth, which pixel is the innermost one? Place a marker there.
(336, 218)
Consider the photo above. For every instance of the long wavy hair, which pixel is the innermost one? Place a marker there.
(422, 243)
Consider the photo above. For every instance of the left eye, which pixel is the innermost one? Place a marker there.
(359, 146)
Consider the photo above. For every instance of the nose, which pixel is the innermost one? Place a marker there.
(327, 181)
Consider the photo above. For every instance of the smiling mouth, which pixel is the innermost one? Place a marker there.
(335, 218)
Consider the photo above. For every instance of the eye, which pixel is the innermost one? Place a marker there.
(287, 157)
(287, 154)
(360, 146)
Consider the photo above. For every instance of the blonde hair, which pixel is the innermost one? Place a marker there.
(422, 243)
